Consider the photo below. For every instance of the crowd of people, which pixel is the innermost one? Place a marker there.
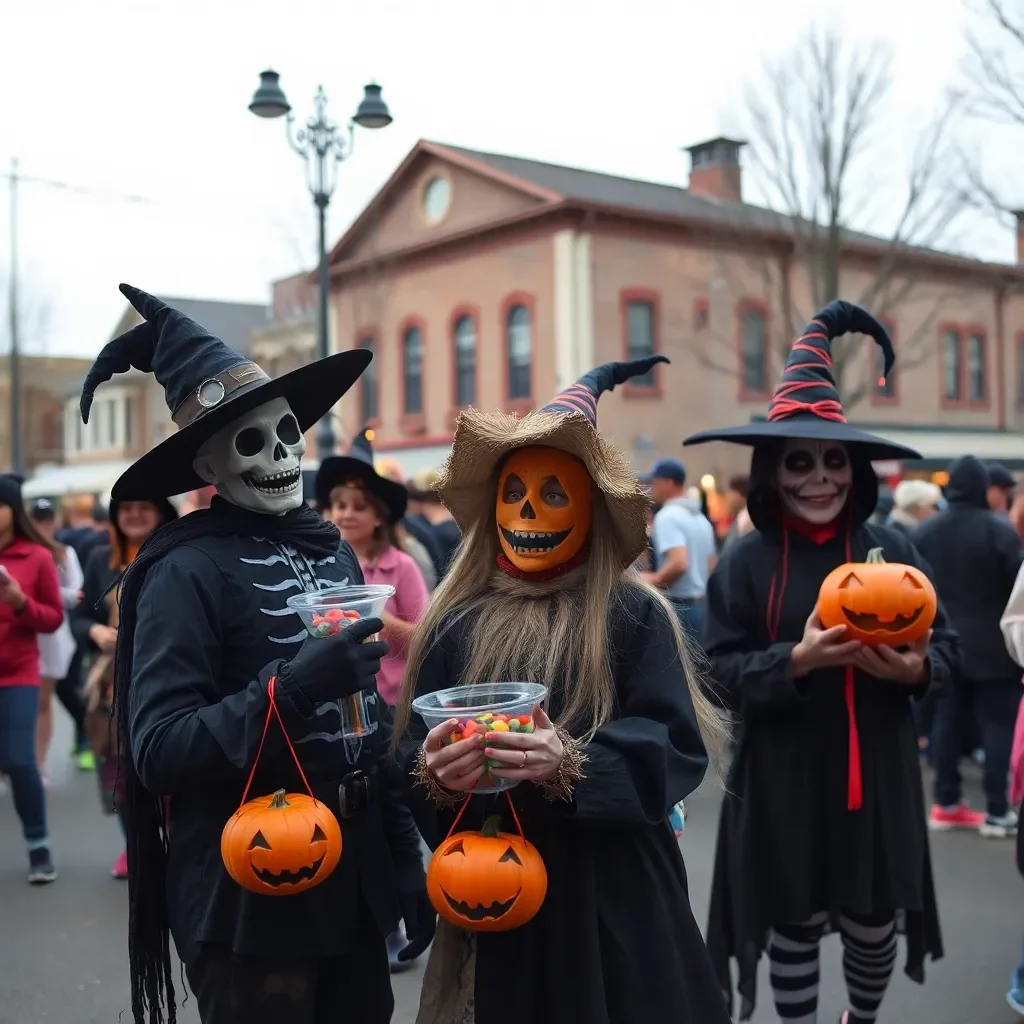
(536, 554)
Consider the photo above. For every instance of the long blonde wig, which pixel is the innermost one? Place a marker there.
(538, 632)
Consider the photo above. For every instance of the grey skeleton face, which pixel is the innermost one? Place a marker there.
(254, 461)
(814, 479)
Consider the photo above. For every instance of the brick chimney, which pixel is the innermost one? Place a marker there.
(1019, 214)
(715, 169)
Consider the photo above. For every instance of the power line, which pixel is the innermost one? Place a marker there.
(130, 197)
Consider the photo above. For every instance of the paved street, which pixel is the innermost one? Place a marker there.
(63, 959)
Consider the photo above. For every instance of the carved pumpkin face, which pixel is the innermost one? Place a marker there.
(878, 602)
(543, 507)
(487, 881)
(280, 845)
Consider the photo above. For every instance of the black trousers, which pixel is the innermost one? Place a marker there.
(69, 693)
(994, 702)
(350, 989)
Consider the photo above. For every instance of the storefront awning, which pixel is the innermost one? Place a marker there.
(938, 447)
(94, 478)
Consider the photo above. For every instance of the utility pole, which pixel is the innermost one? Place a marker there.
(15, 357)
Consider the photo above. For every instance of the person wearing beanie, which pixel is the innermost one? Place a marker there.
(822, 825)
(30, 607)
(914, 501)
(976, 556)
(1001, 486)
(544, 589)
(432, 516)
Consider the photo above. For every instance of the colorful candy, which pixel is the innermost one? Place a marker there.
(333, 621)
(488, 722)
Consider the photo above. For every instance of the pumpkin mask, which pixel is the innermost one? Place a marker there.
(487, 881)
(543, 507)
(878, 602)
(281, 846)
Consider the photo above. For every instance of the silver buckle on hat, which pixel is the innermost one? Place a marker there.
(210, 393)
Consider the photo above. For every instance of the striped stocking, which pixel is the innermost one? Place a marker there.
(795, 974)
(869, 955)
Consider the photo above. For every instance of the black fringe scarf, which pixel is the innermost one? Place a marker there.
(146, 818)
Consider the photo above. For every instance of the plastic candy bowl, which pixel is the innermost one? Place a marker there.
(483, 708)
(326, 612)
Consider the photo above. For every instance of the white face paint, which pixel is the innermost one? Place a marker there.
(814, 479)
(254, 460)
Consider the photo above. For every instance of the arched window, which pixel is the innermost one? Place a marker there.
(464, 337)
(519, 346)
(412, 371)
(369, 383)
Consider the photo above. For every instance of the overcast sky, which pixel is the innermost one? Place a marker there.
(180, 190)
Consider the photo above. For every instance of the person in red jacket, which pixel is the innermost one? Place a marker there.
(30, 604)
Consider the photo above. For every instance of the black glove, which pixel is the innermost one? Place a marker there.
(329, 668)
(420, 923)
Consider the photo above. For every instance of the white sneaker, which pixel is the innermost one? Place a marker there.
(1003, 827)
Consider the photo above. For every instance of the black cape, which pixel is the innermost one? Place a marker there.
(787, 845)
(615, 941)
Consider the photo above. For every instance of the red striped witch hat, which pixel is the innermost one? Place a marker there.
(806, 403)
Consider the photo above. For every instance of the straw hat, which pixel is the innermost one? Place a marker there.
(569, 423)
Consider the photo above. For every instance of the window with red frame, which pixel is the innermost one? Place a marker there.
(464, 339)
(412, 371)
(952, 366)
(754, 352)
(519, 345)
(640, 341)
(976, 384)
(368, 383)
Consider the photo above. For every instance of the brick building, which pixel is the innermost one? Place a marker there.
(488, 280)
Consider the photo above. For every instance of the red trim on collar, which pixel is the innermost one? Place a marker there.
(544, 574)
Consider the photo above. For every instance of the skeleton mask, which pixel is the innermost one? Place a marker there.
(814, 479)
(254, 460)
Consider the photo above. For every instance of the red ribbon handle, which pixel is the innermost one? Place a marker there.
(272, 709)
(465, 804)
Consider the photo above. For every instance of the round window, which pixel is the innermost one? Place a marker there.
(436, 198)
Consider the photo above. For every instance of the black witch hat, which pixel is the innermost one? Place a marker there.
(206, 385)
(358, 467)
(806, 403)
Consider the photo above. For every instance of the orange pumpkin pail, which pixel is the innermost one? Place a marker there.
(487, 881)
(878, 602)
(283, 843)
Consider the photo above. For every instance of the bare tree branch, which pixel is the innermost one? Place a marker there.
(995, 68)
(816, 127)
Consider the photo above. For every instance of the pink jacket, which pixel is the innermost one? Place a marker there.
(1012, 625)
(396, 568)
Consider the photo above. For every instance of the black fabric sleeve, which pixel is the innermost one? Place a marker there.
(944, 648)
(396, 818)
(1009, 551)
(651, 755)
(91, 610)
(746, 680)
(182, 734)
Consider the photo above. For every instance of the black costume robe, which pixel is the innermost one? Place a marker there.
(787, 845)
(212, 628)
(615, 941)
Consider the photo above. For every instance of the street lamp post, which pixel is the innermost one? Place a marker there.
(323, 146)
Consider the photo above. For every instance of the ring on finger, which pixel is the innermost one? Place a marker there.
(526, 755)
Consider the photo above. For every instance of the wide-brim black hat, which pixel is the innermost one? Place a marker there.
(806, 403)
(206, 386)
(358, 466)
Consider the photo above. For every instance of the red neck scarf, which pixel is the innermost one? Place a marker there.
(544, 574)
(821, 534)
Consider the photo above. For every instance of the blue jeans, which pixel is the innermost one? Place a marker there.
(691, 618)
(19, 708)
(1017, 978)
